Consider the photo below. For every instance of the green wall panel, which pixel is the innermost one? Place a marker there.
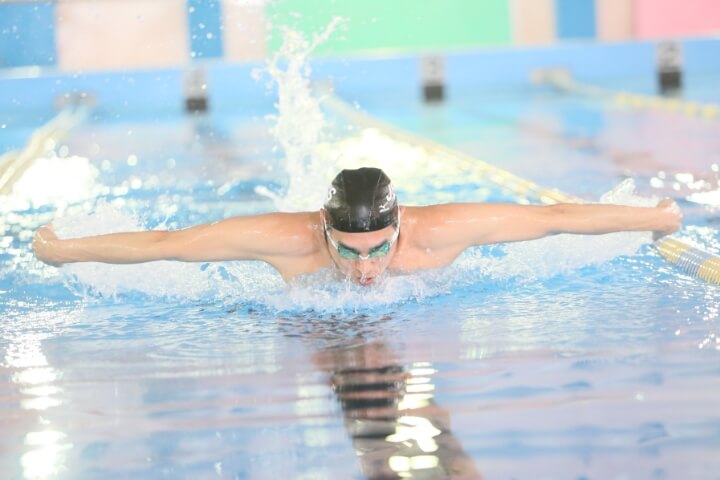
(395, 25)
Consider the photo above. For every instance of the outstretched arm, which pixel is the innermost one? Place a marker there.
(464, 225)
(239, 238)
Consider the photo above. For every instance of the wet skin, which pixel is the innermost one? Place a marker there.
(295, 243)
(363, 271)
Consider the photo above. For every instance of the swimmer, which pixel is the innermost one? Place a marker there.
(361, 231)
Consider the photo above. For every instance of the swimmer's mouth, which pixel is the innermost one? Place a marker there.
(366, 281)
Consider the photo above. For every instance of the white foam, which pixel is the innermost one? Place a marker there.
(232, 282)
(311, 161)
(550, 256)
(710, 200)
(324, 291)
(57, 181)
(173, 279)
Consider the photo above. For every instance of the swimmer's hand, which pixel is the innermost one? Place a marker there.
(670, 217)
(44, 245)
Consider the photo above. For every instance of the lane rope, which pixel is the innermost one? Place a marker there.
(562, 80)
(692, 260)
(14, 164)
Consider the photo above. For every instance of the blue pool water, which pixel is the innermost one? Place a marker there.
(572, 357)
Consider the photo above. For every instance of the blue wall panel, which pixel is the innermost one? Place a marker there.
(205, 20)
(27, 34)
(575, 19)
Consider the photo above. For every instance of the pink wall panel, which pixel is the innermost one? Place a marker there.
(109, 35)
(245, 29)
(669, 18)
(615, 19)
(533, 22)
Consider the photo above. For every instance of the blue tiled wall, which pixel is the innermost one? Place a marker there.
(205, 21)
(575, 19)
(27, 34)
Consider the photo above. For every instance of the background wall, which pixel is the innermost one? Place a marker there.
(377, 26)
(87, 35)
(27, 34)
(671, 18)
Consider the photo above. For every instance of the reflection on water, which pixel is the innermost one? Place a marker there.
(35, 381)
(396, 427)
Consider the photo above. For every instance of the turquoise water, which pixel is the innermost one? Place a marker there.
(568, 358)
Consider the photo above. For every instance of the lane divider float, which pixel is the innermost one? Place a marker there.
(14, 164)
(562, 80)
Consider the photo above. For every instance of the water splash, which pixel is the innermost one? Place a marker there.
(161, 279)
(57, 181)
(312, 158)
(323, 292)
(299, 126)
(550, 256)
(231, 282)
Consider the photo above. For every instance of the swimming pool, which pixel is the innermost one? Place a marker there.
(569, 357)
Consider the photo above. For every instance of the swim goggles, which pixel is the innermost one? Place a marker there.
(375, 252)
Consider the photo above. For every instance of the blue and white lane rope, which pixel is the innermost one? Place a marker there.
(563, 81)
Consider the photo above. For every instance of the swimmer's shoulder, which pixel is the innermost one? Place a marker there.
(436, 226)
(429, 216)
(302, 231)
(303, 244)
(417, 223)
(289, 233)
(284, 221)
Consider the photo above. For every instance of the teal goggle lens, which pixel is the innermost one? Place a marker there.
(376, 252)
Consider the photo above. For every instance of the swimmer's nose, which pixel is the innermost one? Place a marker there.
(364, 268)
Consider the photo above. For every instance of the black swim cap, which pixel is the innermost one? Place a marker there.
(361, 200)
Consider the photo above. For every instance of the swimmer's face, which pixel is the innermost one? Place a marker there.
(364, 256)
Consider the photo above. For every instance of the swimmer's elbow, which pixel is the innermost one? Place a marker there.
(192, 245)
(168, 245)
(550, 220)
(569, 218)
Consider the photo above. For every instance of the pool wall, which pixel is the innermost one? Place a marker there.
(122, 95)
(85, 35)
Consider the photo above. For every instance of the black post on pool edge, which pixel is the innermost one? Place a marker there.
(196, 91)
(669, 67)
(432, 75)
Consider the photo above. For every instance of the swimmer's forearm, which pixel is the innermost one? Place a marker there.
(238, 238)
(117, 248)
(599, 219)
(458, 226)
(512, 223)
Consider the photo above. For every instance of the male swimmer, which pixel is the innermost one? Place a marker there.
(360, 231)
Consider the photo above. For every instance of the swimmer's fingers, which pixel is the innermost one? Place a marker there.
(670, 218)
(46, 233)
(43, 245)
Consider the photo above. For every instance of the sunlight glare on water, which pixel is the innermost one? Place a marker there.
(57, 181)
